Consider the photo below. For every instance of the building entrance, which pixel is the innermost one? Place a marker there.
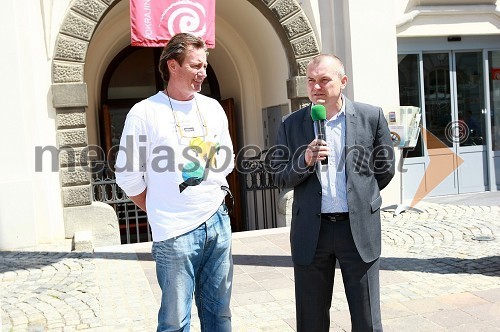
(132, 76)
(456, 90)
(455, 111)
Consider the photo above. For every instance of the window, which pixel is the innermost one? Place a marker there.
(494, 69)
(409, 92)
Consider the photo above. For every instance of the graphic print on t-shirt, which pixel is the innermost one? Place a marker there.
(194, 172)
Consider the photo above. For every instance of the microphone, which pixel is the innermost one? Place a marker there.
(318, 114)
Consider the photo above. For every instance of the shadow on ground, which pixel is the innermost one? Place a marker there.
(489, 266)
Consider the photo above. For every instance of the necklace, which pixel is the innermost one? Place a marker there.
(182, 131)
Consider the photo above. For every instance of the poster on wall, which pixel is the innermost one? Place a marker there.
(153, 23)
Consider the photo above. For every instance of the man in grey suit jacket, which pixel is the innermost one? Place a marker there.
(336, 205)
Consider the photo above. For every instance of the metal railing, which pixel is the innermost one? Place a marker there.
(259, 202)
(133, 222)
(260, 194)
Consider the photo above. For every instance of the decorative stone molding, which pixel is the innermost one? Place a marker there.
(72, 138)
(71, 118)
(305, 46)
(302, 66)
(297, 27)
(69, 48)
(297, 92)
(109, 2)
(84, 16)
(296, 87)
(67, 72)
(284, 9)
(75, 176)
(300, 41)
(71, 157)
(70, 97)
(77, 195)
(436, 11)
(78, 26)
(92, 9)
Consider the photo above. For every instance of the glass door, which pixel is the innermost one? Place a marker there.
(439, 119)
(455, 118)
(470, 127)
(452, 156)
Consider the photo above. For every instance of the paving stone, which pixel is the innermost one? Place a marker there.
(452, 318)
(434, 277)
(411, 324)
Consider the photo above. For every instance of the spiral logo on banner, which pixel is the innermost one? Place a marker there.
(154, 22)
(185, 16)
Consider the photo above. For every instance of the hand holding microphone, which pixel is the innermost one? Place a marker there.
(318, 149)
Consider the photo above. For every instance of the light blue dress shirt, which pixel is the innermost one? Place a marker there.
(332, 175)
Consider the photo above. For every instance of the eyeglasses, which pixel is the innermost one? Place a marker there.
(190, 132)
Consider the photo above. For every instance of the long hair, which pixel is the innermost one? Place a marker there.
(176, 49)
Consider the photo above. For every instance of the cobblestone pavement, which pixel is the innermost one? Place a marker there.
(440, 271)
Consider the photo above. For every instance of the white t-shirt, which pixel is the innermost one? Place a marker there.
(181, 155)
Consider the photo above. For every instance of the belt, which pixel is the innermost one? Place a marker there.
(334, 217)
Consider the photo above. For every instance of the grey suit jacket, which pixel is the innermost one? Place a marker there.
(369, 167)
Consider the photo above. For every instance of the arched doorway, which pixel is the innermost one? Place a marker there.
(132, 76)
(93, 33)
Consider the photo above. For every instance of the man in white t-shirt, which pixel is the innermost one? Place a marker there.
(175, 154)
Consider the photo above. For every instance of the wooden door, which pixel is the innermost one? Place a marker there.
(107, 134)
(112, 119)
(237, 224)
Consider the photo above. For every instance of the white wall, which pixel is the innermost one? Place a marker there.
(440, 18)
(374, 71)
(30, 202)
(257, 56)
(235, 69)
(373, 59)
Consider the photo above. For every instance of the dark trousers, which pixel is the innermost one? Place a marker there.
(314, 283)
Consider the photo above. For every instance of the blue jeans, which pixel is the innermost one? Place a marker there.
(198, 262)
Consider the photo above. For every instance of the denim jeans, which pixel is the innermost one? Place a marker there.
(198, 262)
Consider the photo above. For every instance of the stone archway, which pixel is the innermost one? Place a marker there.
(70, 99)
(299, 41)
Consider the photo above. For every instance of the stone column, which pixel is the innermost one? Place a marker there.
(297, 92)
(81, 214)
(70, 101)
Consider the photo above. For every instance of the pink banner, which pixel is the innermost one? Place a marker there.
(154, 22)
